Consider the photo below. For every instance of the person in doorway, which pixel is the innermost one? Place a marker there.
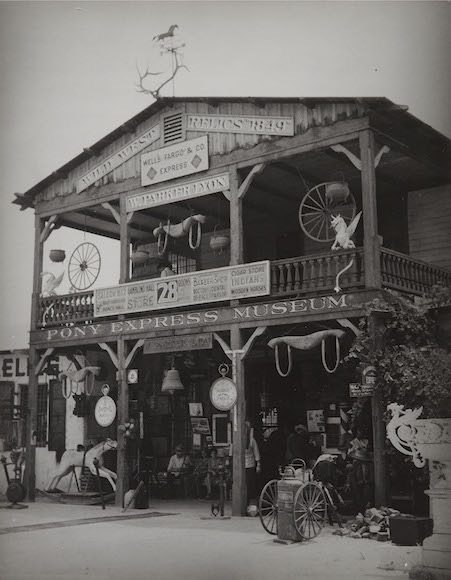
(252, 463)
(325, 470)
(361, 478)
(179, 469)
(358, 443)
(211, 477)
(299, 446)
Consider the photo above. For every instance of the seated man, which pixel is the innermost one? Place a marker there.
(212, 473)
(179, 468)
(200, 471)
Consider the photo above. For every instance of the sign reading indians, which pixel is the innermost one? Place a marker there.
(245, 315)
(110, 164)
(178, 192)
(178, 343)
(241, 124)
(229, 283)
(174, 161)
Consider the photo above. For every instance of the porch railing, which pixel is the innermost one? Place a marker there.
(317, 273)
(407, 274)
(290, 276)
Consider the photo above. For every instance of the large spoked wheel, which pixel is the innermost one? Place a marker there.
(267, 507)
(84, 266)
(309, 510)
(317, 208)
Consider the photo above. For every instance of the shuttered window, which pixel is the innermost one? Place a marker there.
(41, 427)
(173, 124)
(57, 417)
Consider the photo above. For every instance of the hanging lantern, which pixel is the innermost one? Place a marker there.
(171, 381)
(219, 242)
(57, 255)
(337, 191)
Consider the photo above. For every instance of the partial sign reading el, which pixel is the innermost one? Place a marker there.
(174, 161)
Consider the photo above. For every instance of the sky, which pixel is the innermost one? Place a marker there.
(68, 74)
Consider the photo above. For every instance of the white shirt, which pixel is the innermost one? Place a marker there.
(177, 464)
(251, 454)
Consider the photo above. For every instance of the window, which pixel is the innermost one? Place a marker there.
(57, 417)
(41, 427)
(221, 429)
(173, 127)
(182, 264)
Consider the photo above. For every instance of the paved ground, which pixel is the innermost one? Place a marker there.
(171, 547)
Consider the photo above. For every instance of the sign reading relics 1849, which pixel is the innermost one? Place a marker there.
(177, 192)
(174, 161)
(241, 124)
(130, 150)
(231, 282)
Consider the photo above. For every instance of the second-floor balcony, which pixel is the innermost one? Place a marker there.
(298, 276)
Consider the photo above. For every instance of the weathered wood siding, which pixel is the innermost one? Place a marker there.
(429, 212)
(219, 143)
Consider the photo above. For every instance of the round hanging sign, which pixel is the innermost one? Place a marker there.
(223, 394)
(105, 409)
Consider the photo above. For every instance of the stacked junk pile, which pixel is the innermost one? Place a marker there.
(385, 523)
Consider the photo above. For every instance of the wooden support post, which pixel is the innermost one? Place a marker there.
(122, 416)
(371, 249)
(125, 244)
(377, 326)
(239, 490)
(32, 424)
(236, 220)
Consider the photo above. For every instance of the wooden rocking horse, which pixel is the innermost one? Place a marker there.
(72, 458)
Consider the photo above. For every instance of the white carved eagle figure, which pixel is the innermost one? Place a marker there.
(51, 282)
(343, 232)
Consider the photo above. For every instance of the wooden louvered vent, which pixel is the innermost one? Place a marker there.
(173, 127)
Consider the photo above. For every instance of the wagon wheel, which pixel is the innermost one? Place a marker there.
(316, 210)
(267, 507)
(309, 510)
(84, 266)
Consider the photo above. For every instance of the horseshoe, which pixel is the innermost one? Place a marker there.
(323, 355)
(198, 237)
(290, 361)
(162, 232)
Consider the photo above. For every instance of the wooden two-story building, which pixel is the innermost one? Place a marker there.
(234, 197)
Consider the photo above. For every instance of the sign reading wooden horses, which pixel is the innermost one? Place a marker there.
(72, 459)
(306, 342)
(179, 230)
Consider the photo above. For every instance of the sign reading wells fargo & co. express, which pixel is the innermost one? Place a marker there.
(178, 343)
(177, 192)
(174, 161)
(248, 314)
(241, 124)
(110, 164)
(229, 283)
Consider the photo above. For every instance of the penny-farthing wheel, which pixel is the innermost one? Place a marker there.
(84, 266)
(309, 510)
(317, 207)
(267, 507)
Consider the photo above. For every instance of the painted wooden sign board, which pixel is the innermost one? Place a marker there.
(246, 124)
(127, 152)
(178, 343)
(358, 390)
(174, 161)
(216, 285)
(177, 192)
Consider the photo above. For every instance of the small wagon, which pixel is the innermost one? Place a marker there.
(309, 505)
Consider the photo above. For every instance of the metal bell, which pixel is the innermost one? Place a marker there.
(172, 382)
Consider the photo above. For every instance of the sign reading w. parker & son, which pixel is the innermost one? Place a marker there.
(246, 313)
(216, 285)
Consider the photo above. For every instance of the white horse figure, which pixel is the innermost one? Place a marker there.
(72, 458)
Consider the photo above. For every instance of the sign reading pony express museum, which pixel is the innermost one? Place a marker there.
(110, 164)
(174, 161)
(177, 192)
(241, 124)
(229, 283)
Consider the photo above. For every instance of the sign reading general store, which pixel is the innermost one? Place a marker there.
(174, 161)
(241, 124)
(181, 191)
(229, 283)
(246, 313)
(110, 164)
